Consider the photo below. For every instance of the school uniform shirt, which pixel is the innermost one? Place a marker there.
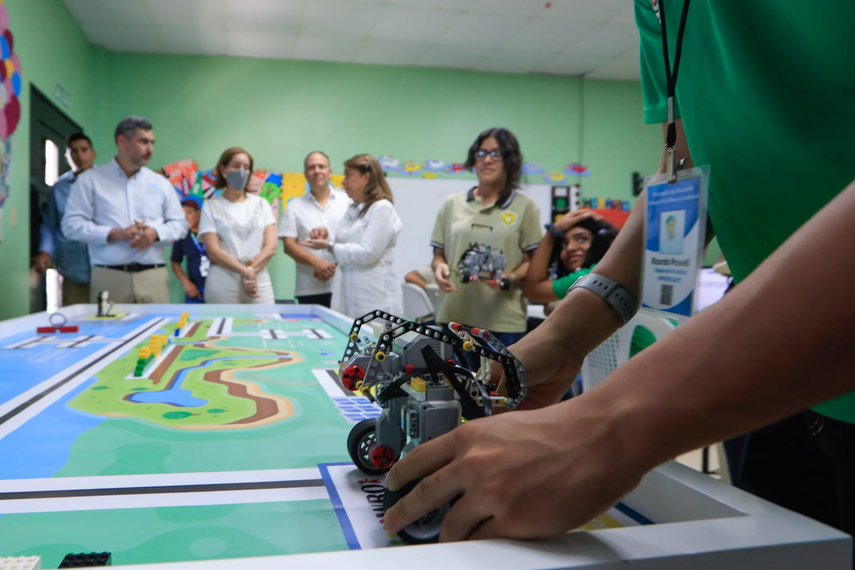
(515, 224)
(104, 198)
(364, 252)
(198, 264)
(300, 217)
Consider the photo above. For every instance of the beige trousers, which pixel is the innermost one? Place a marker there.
(150, 286)
(74, 292)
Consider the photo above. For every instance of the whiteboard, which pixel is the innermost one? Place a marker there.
(418, 200)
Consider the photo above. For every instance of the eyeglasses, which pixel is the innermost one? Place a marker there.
(482, 154)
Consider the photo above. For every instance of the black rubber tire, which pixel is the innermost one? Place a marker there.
(505, 284)
(465, 277)
(356, 447)
(423, 531)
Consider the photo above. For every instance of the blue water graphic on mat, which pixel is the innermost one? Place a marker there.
(175, 395)
(41, 446)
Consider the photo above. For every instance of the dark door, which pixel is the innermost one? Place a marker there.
(49, 127)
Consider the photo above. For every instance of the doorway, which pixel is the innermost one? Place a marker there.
(49, 128)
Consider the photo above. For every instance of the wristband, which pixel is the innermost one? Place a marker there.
(556, 233)
(612, 292)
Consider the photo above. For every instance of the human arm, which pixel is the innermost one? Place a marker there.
(416, 279)
(213, 247)
(174, 225)
(78, 223)
(382, 225)
(323, 268)
(536, 285)
(516, 276)
(189, 287)
(736, 366)
(224, 259)
(268, 248)
(441, 270)
(47, 230)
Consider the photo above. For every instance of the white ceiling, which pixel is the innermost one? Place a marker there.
(593, 38)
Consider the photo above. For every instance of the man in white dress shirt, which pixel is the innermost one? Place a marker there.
(321, 207)
(126, 213)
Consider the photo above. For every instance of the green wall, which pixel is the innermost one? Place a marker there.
(279, 110)
(51, 47)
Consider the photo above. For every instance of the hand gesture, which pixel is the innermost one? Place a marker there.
(315, 243)
(570, 219)
(320, 233)
(324, 270)
(442, 272)
(144, 238)
(42, 262)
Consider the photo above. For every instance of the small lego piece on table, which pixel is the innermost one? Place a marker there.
(87, 559)
(21, 563)
(58, 324)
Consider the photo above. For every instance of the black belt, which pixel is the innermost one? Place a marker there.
(132, 267)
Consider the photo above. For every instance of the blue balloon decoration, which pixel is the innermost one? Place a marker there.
(4, 48)
(16, 83)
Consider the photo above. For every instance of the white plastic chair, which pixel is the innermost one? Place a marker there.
(614, 351)
(436, 295)
(417, 305)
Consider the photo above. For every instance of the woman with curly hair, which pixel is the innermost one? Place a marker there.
(492, 211)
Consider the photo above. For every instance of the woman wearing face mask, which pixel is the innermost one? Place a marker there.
(581, 239)
(239, 233)
(508, 220)
(364, 244)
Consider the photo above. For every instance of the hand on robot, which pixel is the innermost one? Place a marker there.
(556, 479)
(442, 273)
(498, 285)
(570, 219)
(320, 233)
(550, 371)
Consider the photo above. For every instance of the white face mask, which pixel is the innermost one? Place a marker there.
(237, 179)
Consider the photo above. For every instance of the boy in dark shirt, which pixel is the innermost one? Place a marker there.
(194, 250)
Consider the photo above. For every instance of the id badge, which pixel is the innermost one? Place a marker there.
(674, 240)
(204, 265)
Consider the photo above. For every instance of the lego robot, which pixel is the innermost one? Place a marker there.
(409, 371)
(480, 261)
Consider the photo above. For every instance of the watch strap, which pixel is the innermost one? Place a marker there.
(612, 292)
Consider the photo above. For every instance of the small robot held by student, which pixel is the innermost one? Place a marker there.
(481, 262)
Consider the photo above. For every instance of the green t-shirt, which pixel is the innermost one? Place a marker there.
(516, 229)
(560, 285)
(766, 91)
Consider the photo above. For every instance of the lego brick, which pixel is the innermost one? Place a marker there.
(21, 563)
(87, 559)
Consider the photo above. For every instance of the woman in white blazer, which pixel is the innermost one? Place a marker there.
(364, 243)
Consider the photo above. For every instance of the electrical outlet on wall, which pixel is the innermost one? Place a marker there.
(13, 215)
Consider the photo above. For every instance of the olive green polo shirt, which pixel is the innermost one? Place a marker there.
(515, 224)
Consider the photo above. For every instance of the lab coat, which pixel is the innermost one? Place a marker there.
(364, 252)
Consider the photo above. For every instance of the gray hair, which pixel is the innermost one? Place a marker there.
(128, 127)
(320, 152)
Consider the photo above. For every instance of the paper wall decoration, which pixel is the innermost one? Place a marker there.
(10, 106)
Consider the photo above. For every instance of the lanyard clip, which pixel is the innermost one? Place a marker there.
(671, 165)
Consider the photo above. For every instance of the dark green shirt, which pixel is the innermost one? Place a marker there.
(766, 91)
